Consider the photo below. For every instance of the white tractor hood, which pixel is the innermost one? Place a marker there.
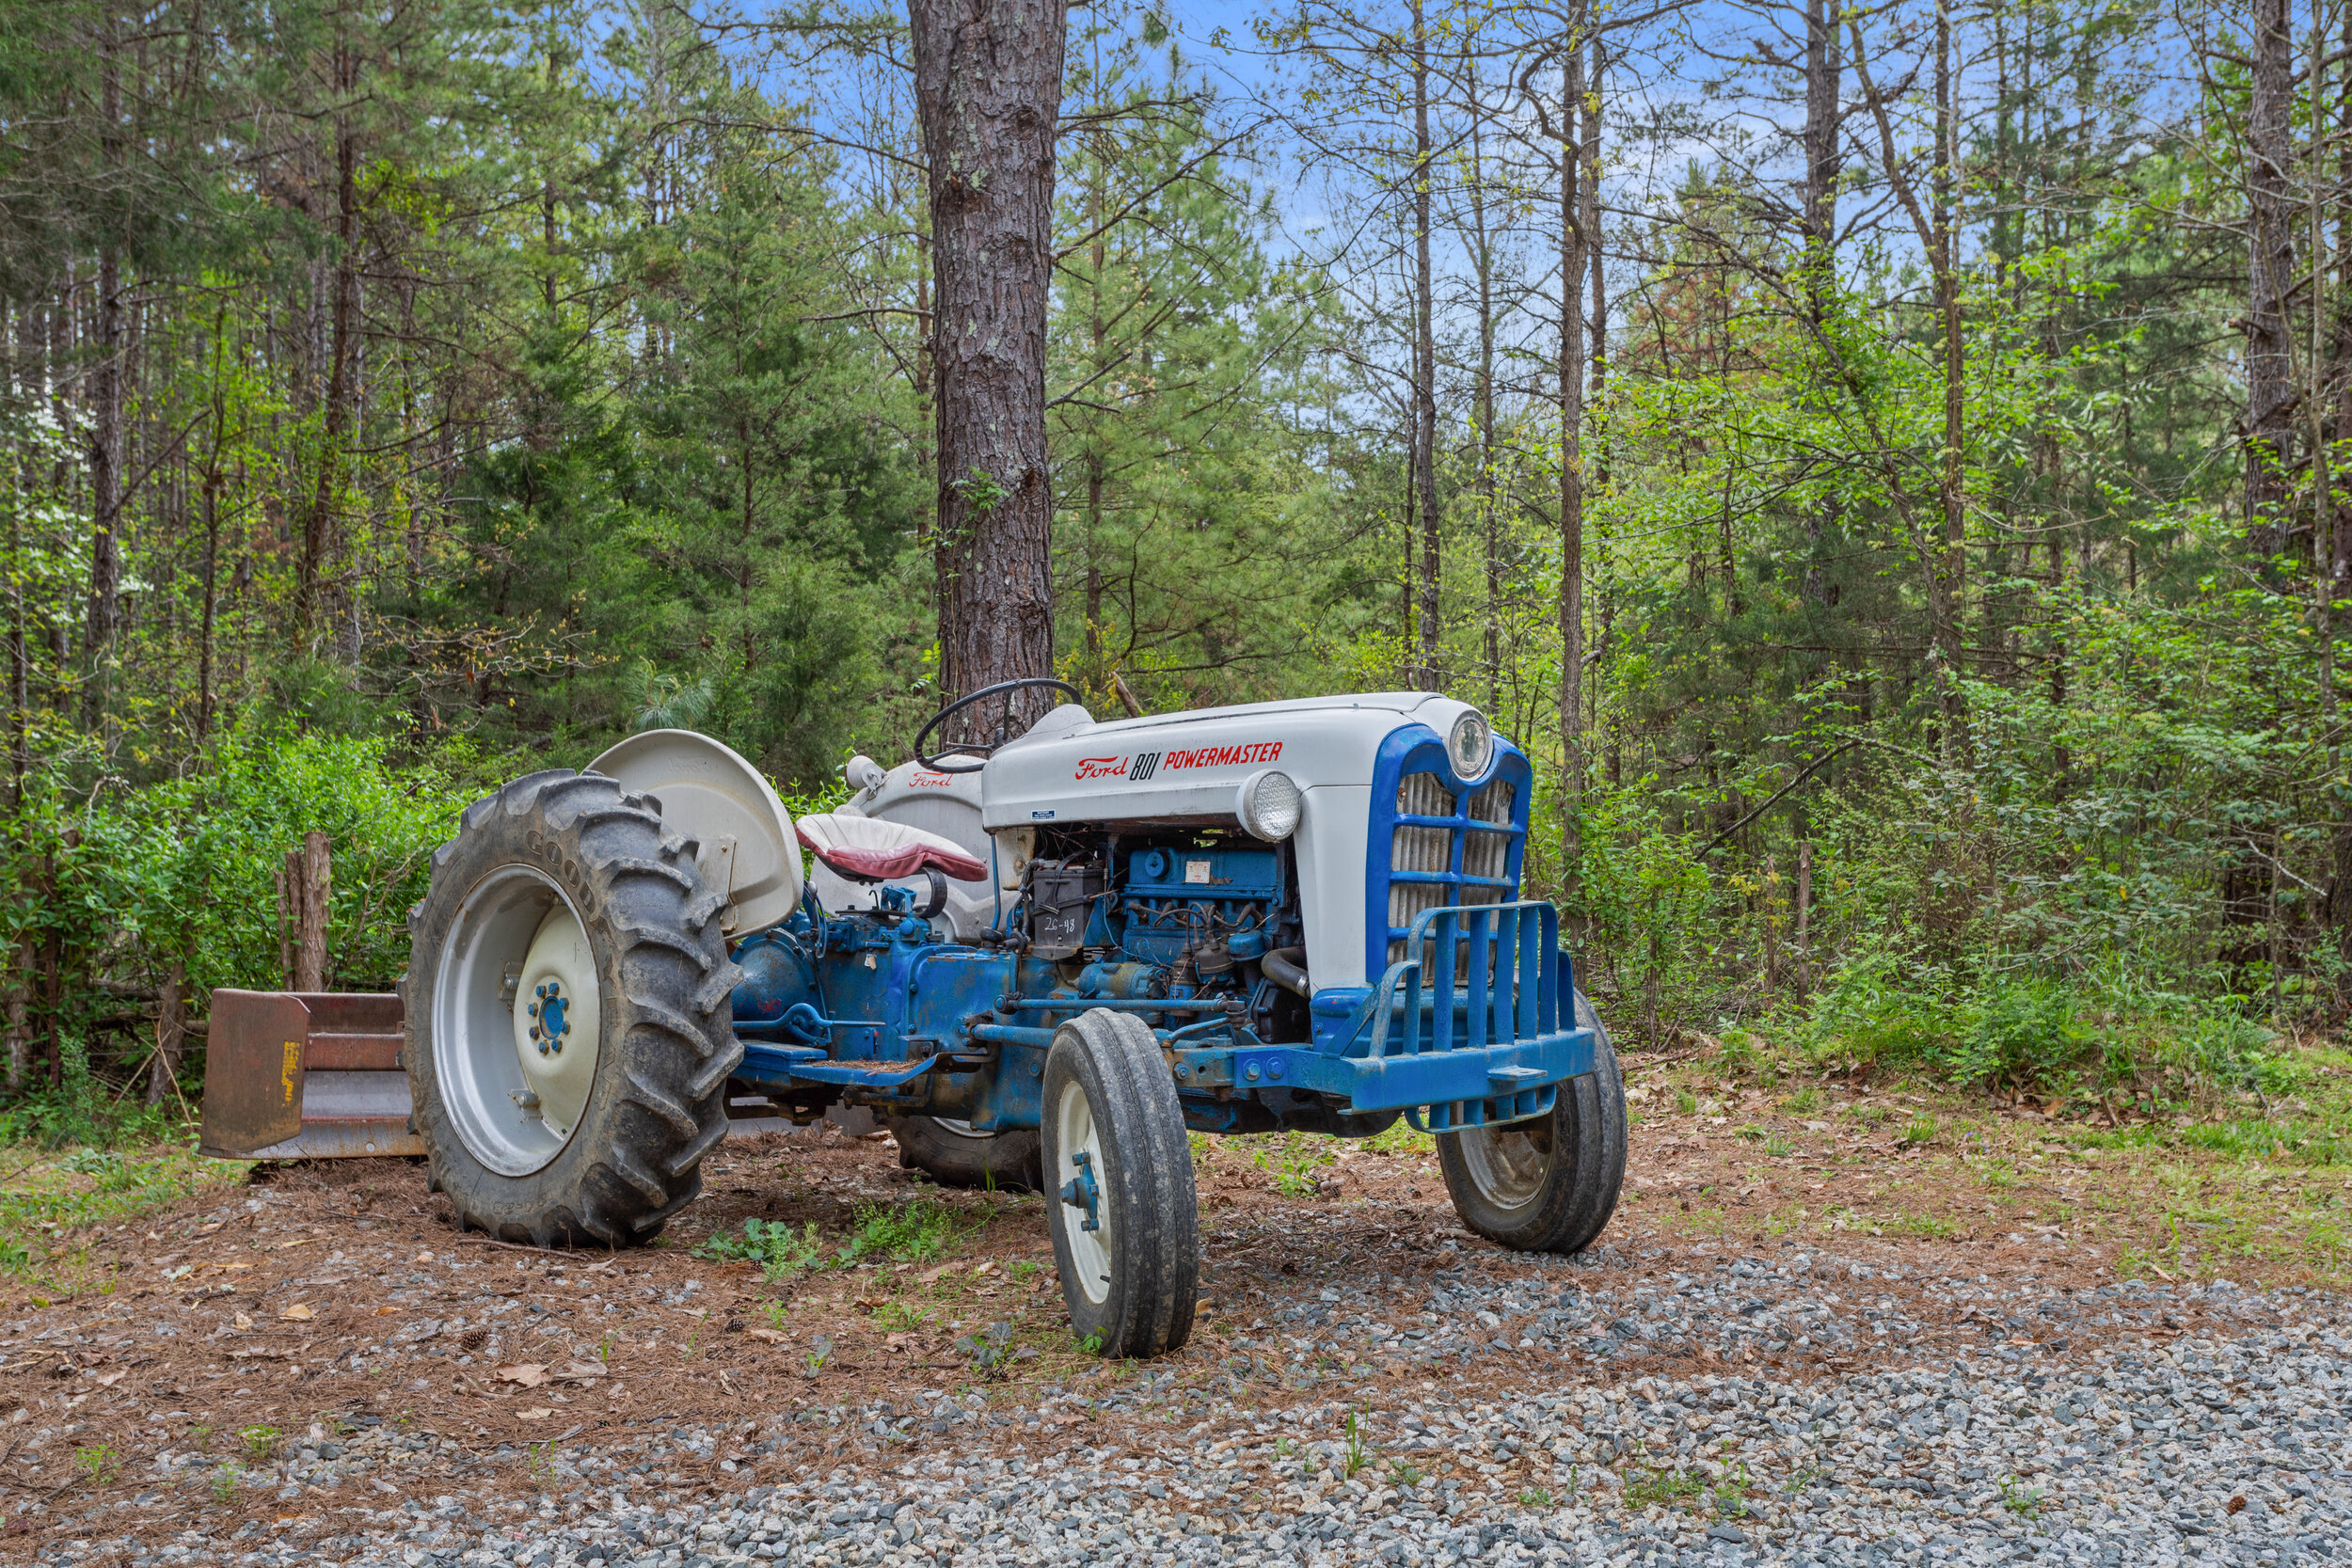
(1070, 769)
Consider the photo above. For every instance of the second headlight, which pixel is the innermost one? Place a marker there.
(1471, 746)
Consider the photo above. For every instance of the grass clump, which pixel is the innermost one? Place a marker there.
(912, 1232)
(1293, 1159)
(1666, 1487)
(1399, 1137)
(780, 1251)
(916, 1231)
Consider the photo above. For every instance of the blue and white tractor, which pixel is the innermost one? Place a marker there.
(1044, 957)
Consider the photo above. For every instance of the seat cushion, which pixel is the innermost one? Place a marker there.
(868, 849)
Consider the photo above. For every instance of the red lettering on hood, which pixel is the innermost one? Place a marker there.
(1226, 756)
(1101, 768)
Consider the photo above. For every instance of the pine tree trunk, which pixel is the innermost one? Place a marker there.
(1950, 573)
(1596, 331)
(106, 439)
(988, 92)
(1824, 67)
(318, 524)
(1573, 241)
(1490, 519)
(2269, 357)
(1425, 361)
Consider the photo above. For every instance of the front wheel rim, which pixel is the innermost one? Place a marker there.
(516, 1021)
(1078, 1152)
(1508, 1164)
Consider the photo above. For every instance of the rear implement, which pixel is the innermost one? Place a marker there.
(305, 1075)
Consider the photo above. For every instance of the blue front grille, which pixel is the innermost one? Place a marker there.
(1435, 842)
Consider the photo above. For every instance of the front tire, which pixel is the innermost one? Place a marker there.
(1549, 1183)
(584, 1124)
(1118, 1187)
(954, 1155)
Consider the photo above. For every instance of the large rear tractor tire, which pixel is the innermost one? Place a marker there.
(954, 1155)
(1119, 1198)
(569, 1038)
(1548, 1184)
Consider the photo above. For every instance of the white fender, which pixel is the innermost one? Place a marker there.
(712, 794)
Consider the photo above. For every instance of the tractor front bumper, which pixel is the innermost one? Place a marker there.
(1465, 1087)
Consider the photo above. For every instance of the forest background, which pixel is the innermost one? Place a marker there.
(1884, 463)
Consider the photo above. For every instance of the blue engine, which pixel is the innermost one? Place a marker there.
(1211, 906)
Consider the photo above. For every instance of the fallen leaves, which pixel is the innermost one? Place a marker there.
(299, 1312)
(107, 1380)
(539, 1413)
(767, 1335)
(533, 1374)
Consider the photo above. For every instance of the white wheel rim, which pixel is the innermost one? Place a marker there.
(1507, 1164)
(513, 1106)
(1075, 1134)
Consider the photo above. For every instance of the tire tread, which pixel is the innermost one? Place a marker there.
(663, 1097)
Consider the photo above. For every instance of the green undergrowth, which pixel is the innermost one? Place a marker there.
(51, 1203)
(920, 1230)
(2104, 1039)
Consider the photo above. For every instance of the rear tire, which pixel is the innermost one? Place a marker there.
(954, 1155)
(663, 1039)
(1115, 1153)
(1548, 1185)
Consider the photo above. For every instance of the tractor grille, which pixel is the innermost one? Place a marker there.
(1446, 851)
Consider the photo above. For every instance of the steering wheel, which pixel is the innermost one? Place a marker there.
(1005, 733)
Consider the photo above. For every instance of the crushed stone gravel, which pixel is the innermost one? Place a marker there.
(2118, 1425)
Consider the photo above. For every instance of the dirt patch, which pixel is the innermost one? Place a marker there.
(336, 1297)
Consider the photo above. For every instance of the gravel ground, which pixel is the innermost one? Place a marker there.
(1647, 1405)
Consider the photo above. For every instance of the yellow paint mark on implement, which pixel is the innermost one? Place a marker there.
(293, 1060)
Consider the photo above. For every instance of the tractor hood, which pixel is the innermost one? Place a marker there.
(1070, 769)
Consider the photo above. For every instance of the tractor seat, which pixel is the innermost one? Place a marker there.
(868, 849)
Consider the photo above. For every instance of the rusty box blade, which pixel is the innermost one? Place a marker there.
(304, 1076)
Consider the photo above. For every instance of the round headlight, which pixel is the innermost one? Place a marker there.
(1269, 805)
(1471, 746)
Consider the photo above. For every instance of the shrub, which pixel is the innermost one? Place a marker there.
(2018, 1031)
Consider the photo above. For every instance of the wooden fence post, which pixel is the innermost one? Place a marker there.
(311, 941)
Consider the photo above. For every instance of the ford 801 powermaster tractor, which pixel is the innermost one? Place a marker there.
(1043, 958)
